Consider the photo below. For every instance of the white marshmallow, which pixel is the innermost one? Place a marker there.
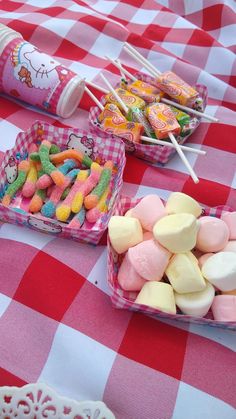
(176, 232)
(184, 274)
(230, 246)
(179, 202)
(196, 303)
(220, 270)
(157, 295)
(124, 232)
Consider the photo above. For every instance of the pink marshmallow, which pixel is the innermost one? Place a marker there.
(128, 278)
(203, 259)
(213, 234)
(149, 259)
(149, 210)
(230, 219)
(224, 308)
(147, 235)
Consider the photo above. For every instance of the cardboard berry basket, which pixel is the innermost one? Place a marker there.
(96, 148)
(150, 152)
(125, 299)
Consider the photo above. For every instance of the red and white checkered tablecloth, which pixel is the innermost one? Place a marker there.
(57, 324)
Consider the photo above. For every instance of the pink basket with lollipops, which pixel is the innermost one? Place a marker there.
(125, 299)
(152, 153)
(66, 138)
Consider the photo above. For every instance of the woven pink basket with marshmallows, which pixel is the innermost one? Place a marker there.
(125, 299)
(95, 147)
(152, 153)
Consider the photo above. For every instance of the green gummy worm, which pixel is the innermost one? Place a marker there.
(103, 183)
(47, 166)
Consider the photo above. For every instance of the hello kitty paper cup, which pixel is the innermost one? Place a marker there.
(30, 75)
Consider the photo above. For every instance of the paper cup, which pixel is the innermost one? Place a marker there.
(29, 74)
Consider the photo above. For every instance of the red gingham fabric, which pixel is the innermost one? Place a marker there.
(57, 322)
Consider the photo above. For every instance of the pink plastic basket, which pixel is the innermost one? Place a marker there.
(98, 149)
(125, 299)
(152, 153)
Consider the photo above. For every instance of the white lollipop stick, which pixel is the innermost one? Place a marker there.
(144, 60)
(96, 86)
(101, 107)
(185, 108)
(122, 104)
(122, 69)
(183, 158)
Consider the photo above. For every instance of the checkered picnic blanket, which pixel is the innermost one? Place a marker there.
(57, 324)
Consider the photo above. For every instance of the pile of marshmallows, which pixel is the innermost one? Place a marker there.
(159, 262)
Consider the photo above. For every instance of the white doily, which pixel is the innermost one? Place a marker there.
(38, 401)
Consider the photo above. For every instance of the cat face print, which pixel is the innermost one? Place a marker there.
(45, 226)
(42, 69)
(83, 144)
(11, 170)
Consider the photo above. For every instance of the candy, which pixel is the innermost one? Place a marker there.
(124, 232)
(213, 234)
(48, 167)
(91, 200)
(220, 270)
(137, 115)
(176, 88)
(78, 219)
(196, 303)
(182, 117)
(148, 211)
(37, 201)
(29, 187)
(128, 98)
(95, 213)
(49, 208)
(145, 91)
(230, 247)
(63, 211)
(71, 154)
(224, 308)
(129, 130)
(204, 258)
(23, 169)
(128, 278)
(184, 274)
(157, 295)
(180, 202)
(86, 187)
(176, 232)
(45, 180)
(149, 259)
(230, 219)
(112, 111)
(162, 120)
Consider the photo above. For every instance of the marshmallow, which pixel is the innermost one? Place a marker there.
(196, 303)
(184, 274)
(230, 246)
(148, 211)
(149, 259)
(203, 259)
(124, 232)
(129, 213)
(128, 278)
(157, 295)
(224, 308)
(147, 235)
(179, 202)
(220, 270)
(213, 234)
(230, 219)
(177, 232)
